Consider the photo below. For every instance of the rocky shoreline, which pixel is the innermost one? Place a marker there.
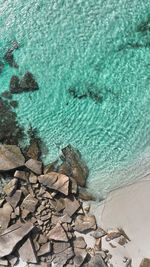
(43, 219)
(42, 215)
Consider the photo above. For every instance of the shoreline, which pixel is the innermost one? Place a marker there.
(126, 208)
(51, 200)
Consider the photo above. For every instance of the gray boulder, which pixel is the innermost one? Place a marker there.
(10, 157)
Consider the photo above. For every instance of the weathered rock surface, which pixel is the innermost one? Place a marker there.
(58, 234)
(29, 83)
(30, 203)
(14, 199)
(10, 188)
(5, 213)
(62, 253)
(27, 252)
(44, 249)
(11, 236)
(34, 165)
(79, 242)
(145, 263)
(21, 175)
(42, 239)
(84, 223)
(79, 170)
(10, 157)
(56, 181)
(99, 233)
(72, 205)
(60, 204)
(60, 247)
(33, 178)
(25, 213)
(61, 219)
(80, 256)
(14, 85)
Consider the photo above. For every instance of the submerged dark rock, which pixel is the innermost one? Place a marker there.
(29, 83)
(33, 151)
(79, 170)
(37, 146)
(10, 131)
(14, 103)
(9, 58)
(1, 66)
(95, 96)
(6, 94)
(91, 93)
(15, 85)
(144, 26)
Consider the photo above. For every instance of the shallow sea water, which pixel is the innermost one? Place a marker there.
(85, 45)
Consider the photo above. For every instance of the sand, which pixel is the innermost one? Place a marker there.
(127, 208)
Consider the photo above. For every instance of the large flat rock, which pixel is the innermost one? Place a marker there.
(72, 205)
(58, 234)
(56, 181)
(10, 238)
(5, 213)
(27, 252)
(85, 223)
(10, 157)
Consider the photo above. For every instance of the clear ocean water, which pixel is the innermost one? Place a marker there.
(85, 45)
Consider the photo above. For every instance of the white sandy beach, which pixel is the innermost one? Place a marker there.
(127, 208)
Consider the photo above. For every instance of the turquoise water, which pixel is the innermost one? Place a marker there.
(85, 45)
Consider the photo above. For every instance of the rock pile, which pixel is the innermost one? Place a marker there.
(41, 213)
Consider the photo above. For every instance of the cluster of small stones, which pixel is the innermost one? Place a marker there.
(41, 212)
